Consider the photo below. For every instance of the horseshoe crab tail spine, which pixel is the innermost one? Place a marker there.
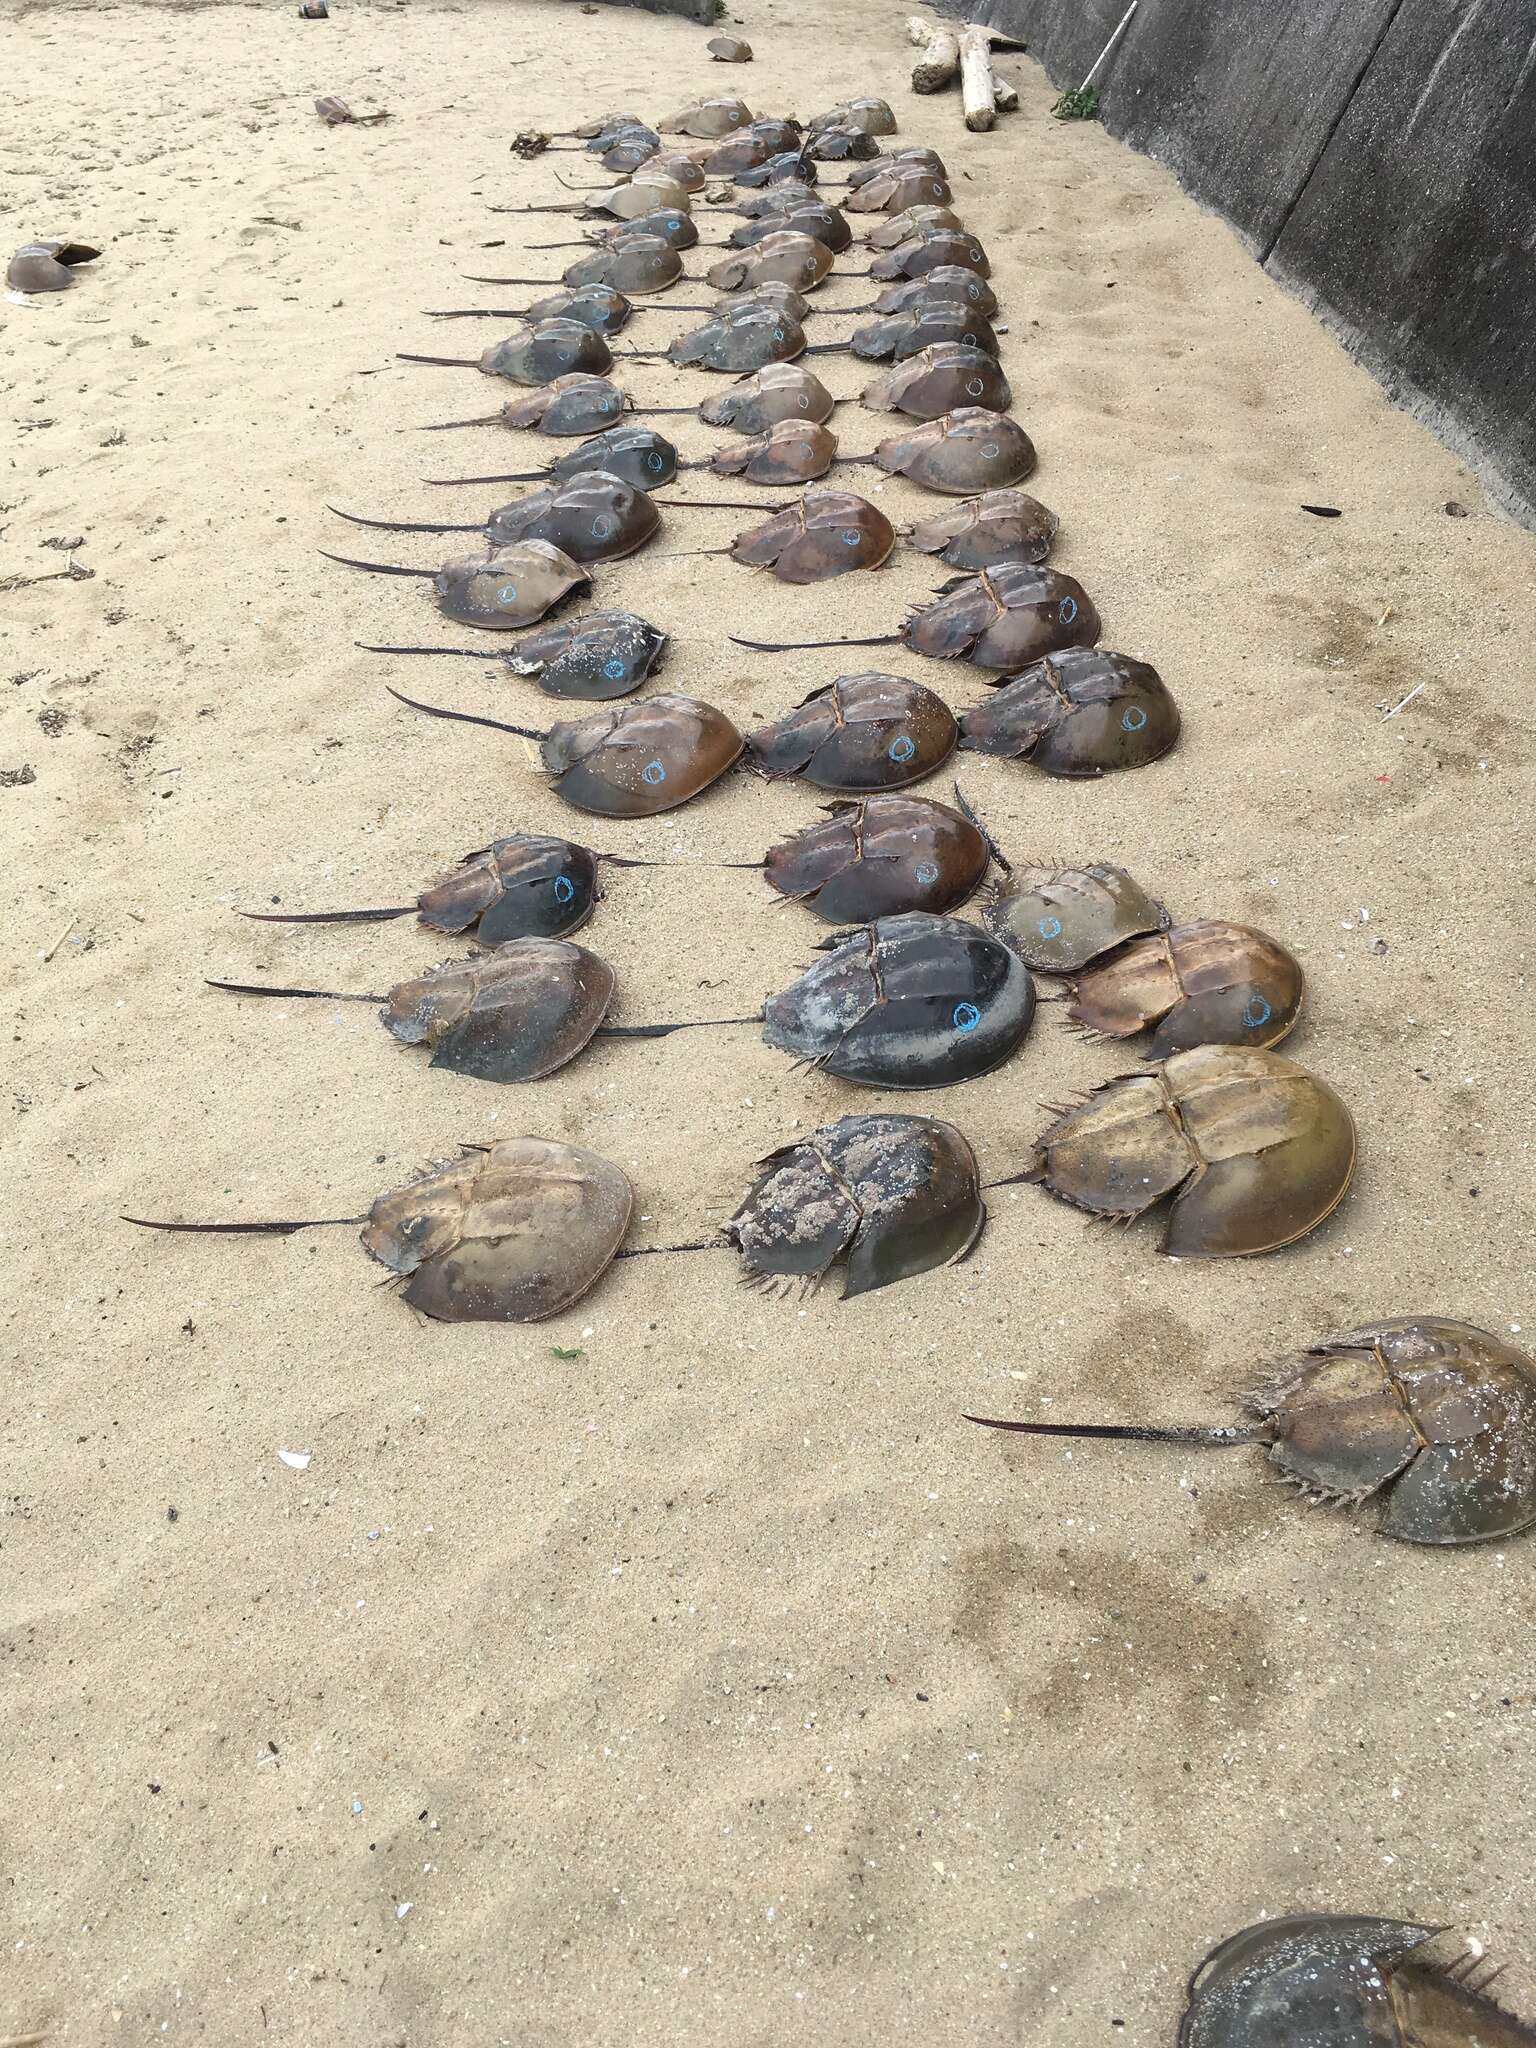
(792, 646)
(711, 504)
(470, 278)
(323, 995)
(377, 568)
(478, 313)
(472, 653)
(656, 411)
(523, 732)
(699, 1244)
(1213, 1435)
(665, 1030)
(286, 1228)
(386, 916)
(485, 419)
(516, 476)
(400, 525)
(442, 362)
(549, 209)
(964, 806)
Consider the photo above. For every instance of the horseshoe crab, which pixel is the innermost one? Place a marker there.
(1077, 711)
(779, 391)
(508, 586)
(941, 281)
(642, 192)
(878, 857)
(938, 379)
(637, 456)
(913, 1001)
(682, 170)
(941, 323)
(790, 167)
(729, 50)
(636, 263)
(47, 266)
(589, 517)
(792, 452)
(710, 118)
(782, 257)
(812, 217)
(553, 348)
(1058, 919)
(899, 187)
(570, 405)
(744, 342)
(961, 452)
(825, 534)
(1208, 983)
(627, 760)
(999, 526)
(933, 249)
(598, 656)
(912, 156)
(861, 732)
(897, 228)
(892, 1195)
(666, 224)
(511, 1232)
(865, 116)
(840, 145)
(1433, 1421)
(1256, 1151)
(597, 306)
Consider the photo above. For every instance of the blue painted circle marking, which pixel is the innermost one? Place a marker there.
(565, 888)
(805, 403)
(975, 387)
(653, 461)
(605, 405)
(850, 537)
(1133, 718)
(1257, 1012)
(1068, 610)
(926, 872)
(1049, 927)
(507, 594)
(614, 670)
(604, 524)
(967, 1016)
(902, 748)
(653, 772)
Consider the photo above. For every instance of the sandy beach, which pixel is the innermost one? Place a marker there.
(684, 1669)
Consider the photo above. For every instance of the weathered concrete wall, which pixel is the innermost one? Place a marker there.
(1378, 156)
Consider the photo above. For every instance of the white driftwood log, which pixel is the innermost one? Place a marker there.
(940, 60)
(1005, 97)
(976, 79)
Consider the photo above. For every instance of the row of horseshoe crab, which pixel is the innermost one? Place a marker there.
(1426, 1423)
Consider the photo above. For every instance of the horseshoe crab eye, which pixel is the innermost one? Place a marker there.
(850, 537)
(507, 594)
(1133, 719)
(926, 872)
(902, 748)
(1049, 927)
(565, 888)
(614, 670)
(653, 772)
(1256, 1012)
(1068, 614)
(966, 1017)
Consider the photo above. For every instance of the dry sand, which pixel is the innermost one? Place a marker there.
(716, 1684)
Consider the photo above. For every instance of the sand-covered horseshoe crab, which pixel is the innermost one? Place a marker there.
(1335, 1980)
(893, 1195)
(1255, 1151)
(999, 526)
(912, 1001)
(880, 856)
(596, 657)
(507, 1233)
(960, 452)
(940, 379)
(861, 732)
(1075, 711)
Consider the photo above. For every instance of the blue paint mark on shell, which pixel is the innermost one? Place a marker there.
(565, 888)
(614, 670)
(507, 594)
(1068, 610)
(967, 1016)
(850, 537)
(1050, 927)
(927, 873)
(1257, 1012)
(1133, 718)
(653, 772)
(902, 748)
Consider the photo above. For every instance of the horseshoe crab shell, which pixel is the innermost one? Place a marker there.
(590, 517)
(527, 886)
(812, 217)
(740, 342)
(46, 266)
(515, 585)
(931, 250)
(770, 297)
(1255, 1151)
(778, 391)
(960, 452)
(742, 151)
(511, 1233)
(711, 118)
(640, 194)
(894, 1195)
(899, 188)
(637, 759)
(524, 1012)
(999, 526)
(788, 168)
(667, 224)
(553, 348)
(1209, 983)
(570, 405)
(1058, 919)
(863, 116)
(637, 456)
(897, 228)
(793, 452)
(1000, 619)
(942, 281)
(912, 156)
(1077, 711)
(598, 656)
(637, 265)
(1334, 1980)
(879, 857)
(862, 732)
(896, 336)
(913, 1001)
(783, 257)
(682, 170)
(938, 380)
(828, 533)
(840, 145)
(598, 306)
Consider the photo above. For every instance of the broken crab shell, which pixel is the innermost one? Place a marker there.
(1208, 983)
(880, 856)
(893, 1195)
(1058, 919)
(862, 732)
(1078, 711)
(1255, 1150)
(511, 1233)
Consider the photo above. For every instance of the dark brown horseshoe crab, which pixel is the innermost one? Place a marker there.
(1256, 1151)
(1057, 919)
(709, 118)
(637, 456)
(47, 266)
(930, 250)
(939, 380)
(1076, 711)
(570, 405)
(597, 306)
(893, 1195)
(1325, 1980)
(629, 760)
(510, 586)
(961, 452)
(520, 1014)
(592, 516)
(999, 526)
(598, 656)
(790, 167)
(743, 342)
(780, 258)
(507, 1233)
(840, 145)
(554, 348)
(828, 533)
(779, 391)
(1209, 983)
(895, 337)
(912, 1001)
(941, 281)
(794, 451)
(878, 857)
(858, 734)
(812, 217)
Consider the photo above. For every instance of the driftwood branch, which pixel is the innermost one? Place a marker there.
(976, 99)
(940, 60)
